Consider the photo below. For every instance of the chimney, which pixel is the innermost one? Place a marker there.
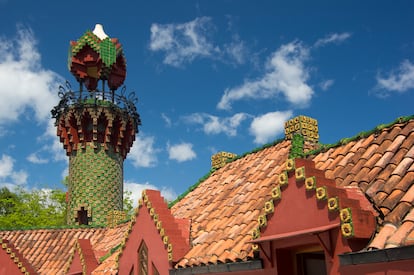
(220, 159)
(304, 126)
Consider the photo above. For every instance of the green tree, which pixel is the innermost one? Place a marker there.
(128, 203)
(35, 208)
(8, 201)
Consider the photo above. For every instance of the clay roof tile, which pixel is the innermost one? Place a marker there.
(399, 236)
(382, 236)
(403, 167)
(398, 213)
(396, 144)
(393, 199)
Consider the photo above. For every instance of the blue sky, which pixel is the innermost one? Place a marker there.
(210, 76)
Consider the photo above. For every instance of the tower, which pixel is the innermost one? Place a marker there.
(97, 128)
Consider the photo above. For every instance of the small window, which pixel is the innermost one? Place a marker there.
(143, 259)
(82, 216)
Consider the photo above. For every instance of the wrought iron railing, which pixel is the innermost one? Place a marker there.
(70, 98)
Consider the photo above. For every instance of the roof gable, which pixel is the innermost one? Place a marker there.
(316, 202)
(166, 237)
(12, 261)
(83, 258)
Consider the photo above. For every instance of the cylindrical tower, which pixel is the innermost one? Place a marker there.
(97, 129)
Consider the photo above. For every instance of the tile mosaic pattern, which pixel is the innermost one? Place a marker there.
(95, 183)
(97, 139)
(105, 57)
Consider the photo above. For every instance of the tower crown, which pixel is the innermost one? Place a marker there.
(95, 56)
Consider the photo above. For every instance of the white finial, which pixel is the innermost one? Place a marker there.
(99, 32)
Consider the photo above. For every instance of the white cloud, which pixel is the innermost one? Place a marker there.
(400, 80)
(286, 74)
(8, 176)
(182, 43)
(52, 146)
(34, 158)
(181, 152)
(268, 126)
(216, 125)
(19, 177)
(325, 85)
(136, 191)
(236, 50)
(6, 166)
(336, 38)
(25, 84)
(143, 153)
(33, 87)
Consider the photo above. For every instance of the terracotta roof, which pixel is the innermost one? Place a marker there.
(382, 166)
(49, 250)
(225, 208)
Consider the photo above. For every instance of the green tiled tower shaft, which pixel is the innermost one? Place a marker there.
(95, 182)
(97, 137)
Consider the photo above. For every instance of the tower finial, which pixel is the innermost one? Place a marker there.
(99, 32)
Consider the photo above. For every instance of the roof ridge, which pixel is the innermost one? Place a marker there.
(360, 135)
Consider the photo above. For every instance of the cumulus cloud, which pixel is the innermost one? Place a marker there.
(8, 175)
(182, 43)
(35, 158)
(285, 74)
(143, 153)
(34, 89)
(181, 152)
(266, 127)
(216, 125)
(136, 191)
(400, 80)
(335, 38)
(32, 86)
